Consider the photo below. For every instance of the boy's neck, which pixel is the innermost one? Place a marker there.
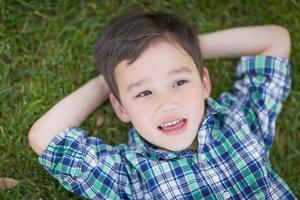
(194, 145)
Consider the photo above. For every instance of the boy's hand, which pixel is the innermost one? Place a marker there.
(71, 111)
(271, 40)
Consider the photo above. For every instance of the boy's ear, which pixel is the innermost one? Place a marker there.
(206, 84)
(118, 108)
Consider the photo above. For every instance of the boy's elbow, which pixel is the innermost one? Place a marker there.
(34, 139)
(280, 43)
(41, 134)
(284, 41)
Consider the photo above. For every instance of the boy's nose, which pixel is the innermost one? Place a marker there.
(166, 104)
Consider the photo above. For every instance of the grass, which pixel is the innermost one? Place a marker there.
(46, 53)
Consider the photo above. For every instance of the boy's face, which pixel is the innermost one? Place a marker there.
(162, 95)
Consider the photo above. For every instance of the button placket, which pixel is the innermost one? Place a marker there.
(226, 195)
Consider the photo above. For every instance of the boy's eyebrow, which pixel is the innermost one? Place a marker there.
(180, 70)
(145, 80)
(136, 84)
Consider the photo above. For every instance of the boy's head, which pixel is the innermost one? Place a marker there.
(153, 66)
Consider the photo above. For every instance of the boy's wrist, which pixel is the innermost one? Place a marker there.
(102, 88)
(102, 83)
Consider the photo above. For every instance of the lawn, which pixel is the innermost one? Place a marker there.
(46, 53)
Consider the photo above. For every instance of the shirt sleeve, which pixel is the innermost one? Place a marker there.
(263, 83)
(84, 165)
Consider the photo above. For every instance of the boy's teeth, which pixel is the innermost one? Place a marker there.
(171, 123)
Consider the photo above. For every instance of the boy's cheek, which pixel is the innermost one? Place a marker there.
(138, 113)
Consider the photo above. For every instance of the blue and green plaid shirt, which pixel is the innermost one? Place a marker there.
(231, 161)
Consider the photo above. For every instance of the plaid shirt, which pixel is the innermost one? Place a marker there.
(231, 161)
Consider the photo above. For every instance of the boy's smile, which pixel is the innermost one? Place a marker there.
(173, 127)
(162, 95)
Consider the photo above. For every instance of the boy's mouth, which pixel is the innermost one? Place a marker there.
(173, 127)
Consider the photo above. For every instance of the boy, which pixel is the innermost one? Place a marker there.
(184, 145)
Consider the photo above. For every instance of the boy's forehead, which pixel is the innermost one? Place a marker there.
(153, 45)
(157, 52)
(163, 57)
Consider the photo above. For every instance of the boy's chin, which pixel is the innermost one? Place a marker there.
(192, 146)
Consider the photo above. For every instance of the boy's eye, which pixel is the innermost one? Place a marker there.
(144, 93)
(180, 82)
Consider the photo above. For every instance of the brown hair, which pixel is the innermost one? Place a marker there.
(128, 36)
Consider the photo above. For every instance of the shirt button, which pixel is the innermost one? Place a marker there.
(226, 195)
(202, 157)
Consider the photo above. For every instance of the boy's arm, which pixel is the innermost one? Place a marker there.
(272, 40)
(71, 111)
(262, 82)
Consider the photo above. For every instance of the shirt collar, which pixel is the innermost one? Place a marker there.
(141, 146)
